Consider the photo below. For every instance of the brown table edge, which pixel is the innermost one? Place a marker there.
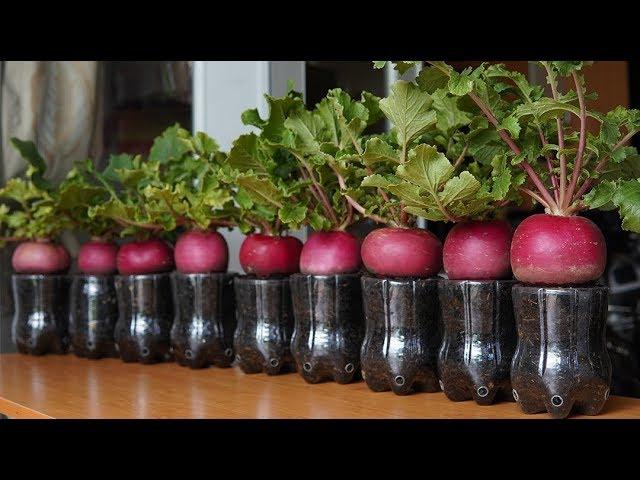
(20, 412)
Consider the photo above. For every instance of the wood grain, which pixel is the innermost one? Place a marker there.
(69, 387)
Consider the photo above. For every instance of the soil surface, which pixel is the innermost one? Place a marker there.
(145, 305)
(265, 325)
(41, 313)
(202, 332)
(93, 316)
(403, 334)
(479, 340)
(329, 326)
(561, 363)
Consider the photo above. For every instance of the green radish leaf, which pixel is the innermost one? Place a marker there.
(409, 110)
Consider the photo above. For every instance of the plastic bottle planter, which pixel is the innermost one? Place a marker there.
(41, 313)
(265, 324)
(329, 326)
(145, 307)
(403, 334)
(479, 340)
(93, 315)
(561, 362)
(202, 332)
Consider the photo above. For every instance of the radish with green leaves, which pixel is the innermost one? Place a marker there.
(30, 214)
(567, 171)
(188, 182)
(177, 188)
(270, 201)
(438, 163)
(324, 146)
(557, 255)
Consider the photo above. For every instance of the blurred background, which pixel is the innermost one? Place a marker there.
(74, 110)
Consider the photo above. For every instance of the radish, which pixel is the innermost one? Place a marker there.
(149, 256)
(40, 257)
(478, 251)
(330, 253)
(266, 255)
(98, 257)
(402, 252)
(201, 252)
(556, 250)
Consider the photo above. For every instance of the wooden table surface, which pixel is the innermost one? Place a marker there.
(68, 387)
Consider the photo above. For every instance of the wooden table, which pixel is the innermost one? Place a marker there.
(69, 387)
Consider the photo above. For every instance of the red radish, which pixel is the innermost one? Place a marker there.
(201, 252)
(402, 252)
(149, 256)
(98, 257)
(265, 255)
(557, 250)
(330, 253)
(40, 257)
(478, 251)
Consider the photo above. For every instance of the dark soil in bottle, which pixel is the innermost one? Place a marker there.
(145, 307)
(265, 325)
(561, 364)
(41, 313)
(202, 332)
(403, 334)
(479, 340)
(93, 316)
(329, 326)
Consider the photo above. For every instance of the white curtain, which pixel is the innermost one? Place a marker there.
(55, 104)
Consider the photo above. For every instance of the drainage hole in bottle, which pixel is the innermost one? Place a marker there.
(482, 391)
(515, 395)
(188, 354)
(229, 352)
(274, 362)
(144, 352)
(557, 400)
(89, 344)
(306, 367)
(349, 368)
(399, 380)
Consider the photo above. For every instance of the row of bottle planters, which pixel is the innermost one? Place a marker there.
(402, 335)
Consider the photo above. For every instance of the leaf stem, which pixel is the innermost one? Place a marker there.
(577, 165)
(514, 148)
(223, 223)
(323, 197)
(537, 197)
(554, 179)
(460, 159)
(144, 226)
(359, 208)
(442, 208)
(349, 216)
(383, 194)
(590, 181)
(562, 158)
(13, 239)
